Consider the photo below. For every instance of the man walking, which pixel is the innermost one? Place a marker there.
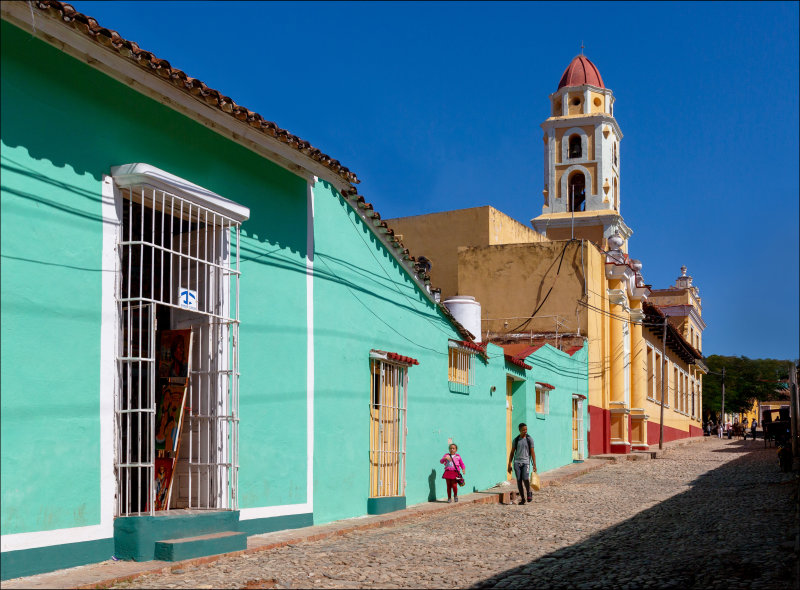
(521, 457)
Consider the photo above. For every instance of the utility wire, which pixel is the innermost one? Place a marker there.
(369, 248)
(558, 271)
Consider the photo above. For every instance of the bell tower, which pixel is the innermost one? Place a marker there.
(582, 160)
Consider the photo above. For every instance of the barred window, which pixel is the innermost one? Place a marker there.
(461, 372)
(387, 409)
(542, 399)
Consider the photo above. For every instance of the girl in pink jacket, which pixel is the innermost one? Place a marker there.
(452, 464)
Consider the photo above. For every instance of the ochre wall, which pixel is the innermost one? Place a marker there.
(592, 233)
(437, 236)
(671, 297)
(510, 281)
(599, 360)
(507, 230)
(594, 108)
(673, 418)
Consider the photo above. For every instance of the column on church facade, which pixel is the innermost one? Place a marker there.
(618, 408)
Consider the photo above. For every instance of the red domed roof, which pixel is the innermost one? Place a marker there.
(581, 71)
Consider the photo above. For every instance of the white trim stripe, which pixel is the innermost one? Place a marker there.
(310, 346)
(308, 506)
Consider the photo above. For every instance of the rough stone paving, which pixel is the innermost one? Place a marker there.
(717, 514)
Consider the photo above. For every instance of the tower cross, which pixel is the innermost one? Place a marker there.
(582, 47)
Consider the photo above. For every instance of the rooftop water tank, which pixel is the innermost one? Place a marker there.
(467, 312)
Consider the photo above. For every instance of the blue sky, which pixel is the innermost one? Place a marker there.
(438, 106)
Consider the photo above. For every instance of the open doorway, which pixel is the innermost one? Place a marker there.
(177, 390)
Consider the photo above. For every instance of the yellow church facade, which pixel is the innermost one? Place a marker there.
(572, 279)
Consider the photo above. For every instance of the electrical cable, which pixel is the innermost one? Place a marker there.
(558, 271)
(330, 270)
(369, 248)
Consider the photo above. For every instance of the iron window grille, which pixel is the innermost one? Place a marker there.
(179, 269)
(388, 427)
(460, 367)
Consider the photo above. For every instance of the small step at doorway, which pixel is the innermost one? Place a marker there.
(200, 546)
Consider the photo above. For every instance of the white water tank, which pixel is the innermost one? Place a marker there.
(468, 313)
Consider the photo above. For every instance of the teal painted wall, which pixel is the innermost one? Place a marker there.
(552, 432)
(63, 126)
(363, 300)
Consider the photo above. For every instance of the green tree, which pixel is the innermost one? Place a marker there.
(746, 381)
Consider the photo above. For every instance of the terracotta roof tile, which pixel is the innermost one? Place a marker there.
(393, 356)
(521, 350)
(545, 385)
(515, 361)
(472, 345)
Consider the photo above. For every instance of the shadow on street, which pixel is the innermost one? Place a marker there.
(736, 524)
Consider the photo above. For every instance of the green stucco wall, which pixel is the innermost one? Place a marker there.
(363, 300)
(63, 126)
(552, 432)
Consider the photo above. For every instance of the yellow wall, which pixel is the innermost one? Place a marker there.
(437, 236)
(511, 280)
(557, 108)
(673, 416)
(597, 328)
(575, 109)
(507, 230)
(593, 233)
(593, 104)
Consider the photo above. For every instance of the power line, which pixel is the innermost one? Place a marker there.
(369, 248)
(558, 271)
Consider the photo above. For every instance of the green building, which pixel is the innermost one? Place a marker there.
(189, 289)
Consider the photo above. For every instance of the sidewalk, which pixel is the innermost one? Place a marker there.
(106, 573)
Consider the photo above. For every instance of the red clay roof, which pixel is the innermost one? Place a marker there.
(472, 345)
(581, 71)
(545, 385)
(192, 86)
(572, 350)
(521, 350)
(515, 361)
(393, 356)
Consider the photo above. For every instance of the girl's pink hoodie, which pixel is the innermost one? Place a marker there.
(448, 464)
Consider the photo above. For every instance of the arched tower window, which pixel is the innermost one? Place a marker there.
(575, 150)
(616, 194)
(577, 192)
(614, 153)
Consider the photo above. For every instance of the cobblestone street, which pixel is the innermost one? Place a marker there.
(715, 514)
